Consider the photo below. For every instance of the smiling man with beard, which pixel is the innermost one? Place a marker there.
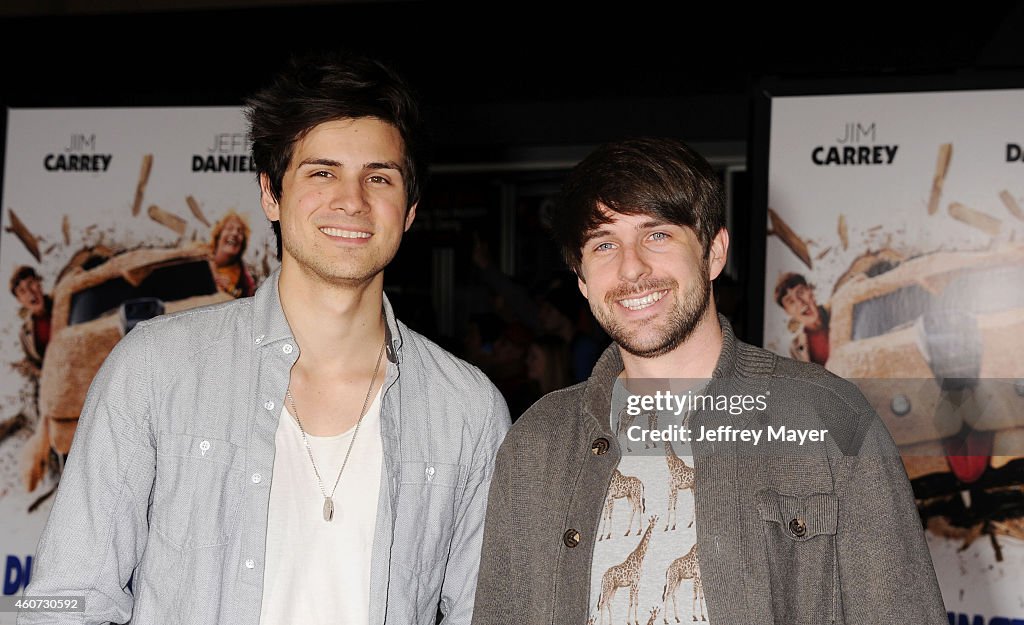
(727, 531)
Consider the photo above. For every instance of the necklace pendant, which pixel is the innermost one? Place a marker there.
(328, 509)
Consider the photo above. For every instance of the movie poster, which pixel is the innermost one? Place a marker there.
(895, 258)
(110, 216)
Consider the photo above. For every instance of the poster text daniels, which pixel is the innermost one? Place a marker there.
(229, 153)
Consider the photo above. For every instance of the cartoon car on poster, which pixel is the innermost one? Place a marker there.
(935, 344)
(99, 296)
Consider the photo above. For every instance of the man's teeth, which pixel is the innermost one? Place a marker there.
(345, 234)
(642, 302)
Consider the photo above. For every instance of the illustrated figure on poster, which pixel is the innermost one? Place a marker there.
(810, 319)
(228, 240)
(34, 335)
(27, 288)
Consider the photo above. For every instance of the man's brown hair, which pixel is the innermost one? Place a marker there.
(660, 177)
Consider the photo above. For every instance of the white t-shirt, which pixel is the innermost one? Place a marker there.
(318, 572)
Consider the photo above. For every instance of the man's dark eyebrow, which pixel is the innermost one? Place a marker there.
(327, 162)
(593, 234)
(324, 162)
(651, 223)
(385, 165)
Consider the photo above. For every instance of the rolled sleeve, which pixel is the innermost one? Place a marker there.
(97, 529)
(459, 587)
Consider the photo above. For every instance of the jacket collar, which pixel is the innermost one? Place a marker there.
(270, 325)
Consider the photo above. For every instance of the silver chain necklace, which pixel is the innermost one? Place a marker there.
(329, 499)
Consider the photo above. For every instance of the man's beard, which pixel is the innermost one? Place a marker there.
(679, 323)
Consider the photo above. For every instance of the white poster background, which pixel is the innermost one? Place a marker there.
(98, 206)
(886, 206)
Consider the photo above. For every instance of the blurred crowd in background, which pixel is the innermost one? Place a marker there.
(531, 339)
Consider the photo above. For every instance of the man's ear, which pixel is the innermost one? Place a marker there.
(270, 206)
(410, 215)
(718, 254)
(581, 283)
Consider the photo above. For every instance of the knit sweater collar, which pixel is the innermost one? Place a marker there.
(737, 361)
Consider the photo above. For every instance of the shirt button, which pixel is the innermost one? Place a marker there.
(204, 446)
(259, 339)
(571, 538)
(599, 447)
(269, 405)
(256, 478)
(287, 348)
(249, 564)
(798, 527)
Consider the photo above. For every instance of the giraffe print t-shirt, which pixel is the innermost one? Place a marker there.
(645, 567)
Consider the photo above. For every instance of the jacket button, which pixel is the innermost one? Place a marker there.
(571, 538)
(599, 447)
(798, 527)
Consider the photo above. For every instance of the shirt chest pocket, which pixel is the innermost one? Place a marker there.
(199, 486)
(799, 534)
(426, 513)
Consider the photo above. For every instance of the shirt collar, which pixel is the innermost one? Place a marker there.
(270, 325)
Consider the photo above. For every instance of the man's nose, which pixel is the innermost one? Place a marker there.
(349, 196)
(634, 265)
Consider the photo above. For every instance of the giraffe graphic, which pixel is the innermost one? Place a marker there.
(633, 490)
(625, 421)
(681, 477)
(654, 615)
(686, 567)
(623, 575)
(652, 424)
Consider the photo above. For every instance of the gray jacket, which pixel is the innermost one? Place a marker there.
(828, 534)
(168, 479)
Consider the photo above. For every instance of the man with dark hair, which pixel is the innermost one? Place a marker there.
(823, 530)
(808, 318)
(299, 456)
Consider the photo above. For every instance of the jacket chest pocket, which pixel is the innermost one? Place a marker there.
(799, 533)
(426, 513)
(199, 485)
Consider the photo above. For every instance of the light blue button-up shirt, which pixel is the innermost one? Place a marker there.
(168, 480)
